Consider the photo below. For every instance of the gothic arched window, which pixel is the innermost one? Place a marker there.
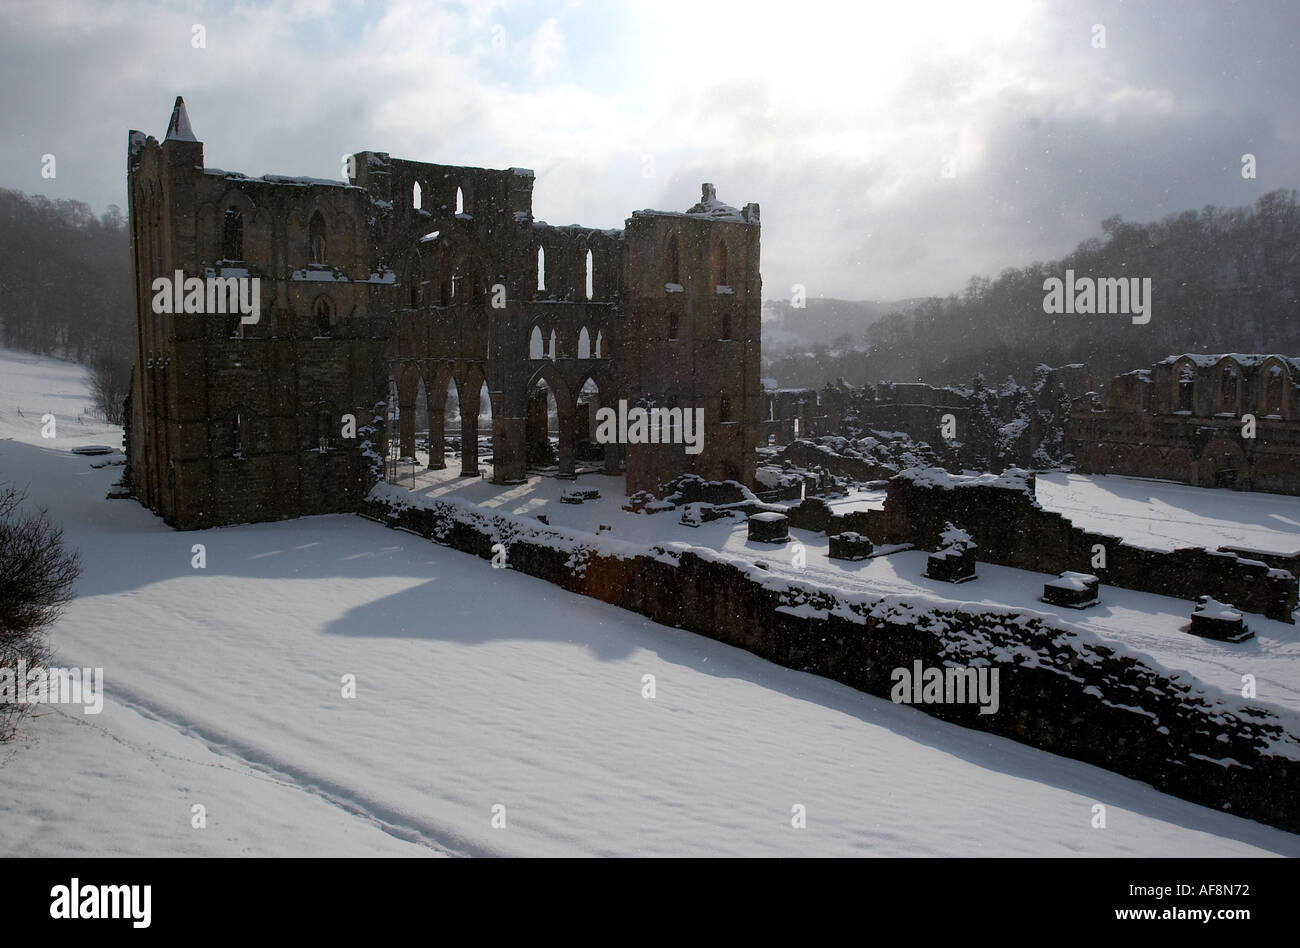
(316, 235)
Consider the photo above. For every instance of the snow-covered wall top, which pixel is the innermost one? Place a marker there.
(1246, 359)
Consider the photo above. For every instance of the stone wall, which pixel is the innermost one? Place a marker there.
(1183, 420)
(1062, 689)
(1005, 520)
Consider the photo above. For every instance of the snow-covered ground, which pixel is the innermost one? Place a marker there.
(1143, 621)
(1162, 515)
(475, 688)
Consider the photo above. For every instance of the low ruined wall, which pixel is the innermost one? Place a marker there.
(1061, 688)
(1005, 520)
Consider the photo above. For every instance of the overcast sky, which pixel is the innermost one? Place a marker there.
(840, 119)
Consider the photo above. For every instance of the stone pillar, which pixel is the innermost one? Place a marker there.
(437, 439)
(566, 449)
(469, 439)
(508, 451)
(406, 428)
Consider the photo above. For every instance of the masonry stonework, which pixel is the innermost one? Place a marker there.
(1184, 419)
(411, 278)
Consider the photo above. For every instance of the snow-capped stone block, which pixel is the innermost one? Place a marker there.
(850, 546)
(951, 565)
(694, 514)
(954, 561)
(1217, 620)
(769, 527)
(1073, 590)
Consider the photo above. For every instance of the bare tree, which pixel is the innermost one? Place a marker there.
(36, 579)
(110, 379)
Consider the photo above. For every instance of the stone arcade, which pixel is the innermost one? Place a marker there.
(413, 277)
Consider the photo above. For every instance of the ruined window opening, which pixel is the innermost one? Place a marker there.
(672, 325)
(724, 409)
(232, 235)
(536, 348)
(1273, 391)
(1229, 388)
(415, 289)
(590, 274)
(584, 344)
(324, 430)
(720, 264)
(417, 197)
(240, 433)
(551, 355)
(324, 316)
(600, 344)
(672, 269)
(1185, 384)
(726, 325)
(541, 268)
(316, 234)
(460, 201)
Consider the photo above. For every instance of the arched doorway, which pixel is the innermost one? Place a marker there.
(541, 427)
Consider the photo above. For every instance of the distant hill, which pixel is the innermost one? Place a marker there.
(823, 322)
(1221, 281)
(66, 277)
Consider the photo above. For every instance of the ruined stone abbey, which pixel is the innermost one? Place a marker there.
(413, 277)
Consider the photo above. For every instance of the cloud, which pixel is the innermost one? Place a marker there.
(836, 118)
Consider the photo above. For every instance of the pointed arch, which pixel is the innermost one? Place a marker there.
(584, 344)
(591, 273)
(471, 390)
(232, 234)
(417, 196)
(536, 348)
(323, 316)
(549, 398)
(1184, 386)
(316, 237)
(240, 432)
(541, 269)
(324, 436)
(602, 347)
(551, 351)
(587, 404)
(1230, 384)
(460, 201)
(719, 262)
(1276, 382)
(414, 279)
